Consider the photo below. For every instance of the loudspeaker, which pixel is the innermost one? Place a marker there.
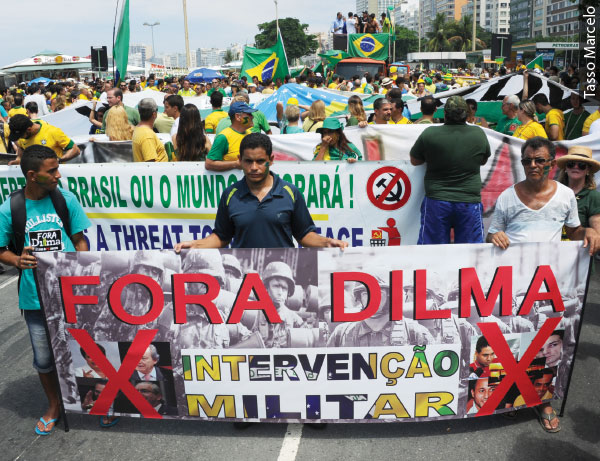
(340, 42)
(99, 58)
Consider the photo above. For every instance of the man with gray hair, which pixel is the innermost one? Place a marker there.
(454, 154)
(509, 121)
(146, 369)
(146, 145)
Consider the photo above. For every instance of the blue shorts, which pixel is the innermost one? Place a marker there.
(42, 356)
(438, 217)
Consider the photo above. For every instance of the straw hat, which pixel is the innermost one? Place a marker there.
(579, 154)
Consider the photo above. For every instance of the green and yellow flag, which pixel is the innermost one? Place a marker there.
(267, 64)
(374, 46)
(537, 63)
(121, 47)
(334, 56)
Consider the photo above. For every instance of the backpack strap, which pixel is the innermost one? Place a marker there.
(18, 215)
(60, 206)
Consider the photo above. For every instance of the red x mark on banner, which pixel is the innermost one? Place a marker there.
(118, 380)
(516, 372)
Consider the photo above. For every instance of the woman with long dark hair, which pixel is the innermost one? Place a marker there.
(192, 144)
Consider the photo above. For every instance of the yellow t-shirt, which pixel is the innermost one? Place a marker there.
(227, 139)
(49, 136)
(402, 121)
(213, 119)
(556, 117)
(530, 130)
(84, 97)
(588, 121)
(520, 401)
(17, 110)
(147, 147)
(333, 86)
(268, 91)
(186, 93)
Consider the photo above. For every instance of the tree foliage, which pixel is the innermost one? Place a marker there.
(296, 40)
(230, 55)
(407, 41)
(456, 35)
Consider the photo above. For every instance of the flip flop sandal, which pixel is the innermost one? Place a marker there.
(111, 422)
(46, 424)
(543, 416)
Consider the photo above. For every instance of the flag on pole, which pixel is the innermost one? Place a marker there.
(266, 64)
(499, 60)
(537, 63)
(374, 46)
(334, 56)
(121, 47)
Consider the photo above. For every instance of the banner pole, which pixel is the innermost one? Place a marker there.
(63, 413)
(587, 286)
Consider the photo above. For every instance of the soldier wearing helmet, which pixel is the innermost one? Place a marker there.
(233, 273)
(377, 330)
(279, 281)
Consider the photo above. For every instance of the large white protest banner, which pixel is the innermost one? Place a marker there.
(365, 335)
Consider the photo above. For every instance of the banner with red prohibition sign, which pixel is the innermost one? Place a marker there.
(366, 335)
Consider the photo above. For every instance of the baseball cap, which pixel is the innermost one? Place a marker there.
(456, 105)
(18, 125)
(240, 107)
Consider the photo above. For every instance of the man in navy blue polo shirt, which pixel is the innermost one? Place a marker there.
(261, 210)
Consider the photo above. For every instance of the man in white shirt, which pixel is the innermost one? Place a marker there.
(535, 210)
(173, 105)
(351, 23)
(35, 95)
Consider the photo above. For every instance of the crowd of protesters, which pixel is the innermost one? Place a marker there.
(453, 147)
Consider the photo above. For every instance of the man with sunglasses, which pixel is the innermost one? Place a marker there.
(536, 209)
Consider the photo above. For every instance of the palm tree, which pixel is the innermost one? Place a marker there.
(461, 34)
(437, 37)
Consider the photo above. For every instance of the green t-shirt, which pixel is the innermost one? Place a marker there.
(260, 122)
(259, 119)
(588, 205)
(291, 129)
(212, 90)
(507, 125)
(352, 121)
(574, 124)
(454, 155)
(132, 115)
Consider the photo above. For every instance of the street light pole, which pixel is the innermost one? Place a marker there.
(420, 25)
(187, 39)
(473, 48)
(276, 19)
(152, 29)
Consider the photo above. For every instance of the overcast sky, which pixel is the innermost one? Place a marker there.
(72, 26)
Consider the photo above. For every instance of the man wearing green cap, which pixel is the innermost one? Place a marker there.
(454, 153)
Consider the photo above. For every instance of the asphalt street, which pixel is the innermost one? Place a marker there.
(486, 438)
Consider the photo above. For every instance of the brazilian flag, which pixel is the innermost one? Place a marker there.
(334, 56)
(266, 64)
(374, 46)
(537, 63)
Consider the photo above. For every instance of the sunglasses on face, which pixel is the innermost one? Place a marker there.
(579, 165)
(526, 161)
